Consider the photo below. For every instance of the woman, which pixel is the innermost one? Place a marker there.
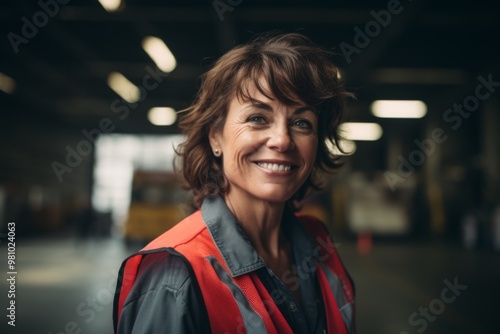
(244, 263)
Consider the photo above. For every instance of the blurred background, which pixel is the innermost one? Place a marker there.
(89, 92)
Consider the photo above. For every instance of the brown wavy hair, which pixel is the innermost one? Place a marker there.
(296, 70)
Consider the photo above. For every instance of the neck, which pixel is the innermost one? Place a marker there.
(261, 221)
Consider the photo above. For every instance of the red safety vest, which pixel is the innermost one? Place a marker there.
(242, 304)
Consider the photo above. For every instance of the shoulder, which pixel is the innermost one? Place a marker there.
(162, 271)
(165, 297)
(166, 263)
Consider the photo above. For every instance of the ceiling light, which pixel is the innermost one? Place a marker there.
(399, 108)
(361, 131)
(162, 116)
(160, 53)
(347, 145)
(123, 87)
(111, 5)
(7, 84)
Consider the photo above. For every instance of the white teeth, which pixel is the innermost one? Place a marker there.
(275, 167)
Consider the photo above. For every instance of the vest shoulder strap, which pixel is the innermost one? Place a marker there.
(180, 234)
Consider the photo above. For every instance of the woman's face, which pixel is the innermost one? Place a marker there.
(268, 148)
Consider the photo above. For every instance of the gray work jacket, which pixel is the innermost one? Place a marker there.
(167, 297)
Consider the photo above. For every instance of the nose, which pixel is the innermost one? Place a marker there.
(280, 139)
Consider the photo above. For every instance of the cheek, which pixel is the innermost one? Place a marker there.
(239, 141)
(308, 149)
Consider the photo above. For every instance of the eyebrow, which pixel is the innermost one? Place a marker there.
(262, 105)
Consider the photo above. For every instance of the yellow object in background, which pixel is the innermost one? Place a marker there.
(158, 203)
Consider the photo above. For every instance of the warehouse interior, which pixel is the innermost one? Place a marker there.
(415, 208)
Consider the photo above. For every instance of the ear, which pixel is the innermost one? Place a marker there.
(214, 136)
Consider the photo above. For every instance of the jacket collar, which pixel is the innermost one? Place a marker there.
(234, 246)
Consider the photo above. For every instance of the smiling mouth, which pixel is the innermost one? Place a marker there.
(274, 167)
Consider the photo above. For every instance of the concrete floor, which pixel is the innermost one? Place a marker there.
(398, 281)
(65, 286)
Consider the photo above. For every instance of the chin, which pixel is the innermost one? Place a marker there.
(275, 195)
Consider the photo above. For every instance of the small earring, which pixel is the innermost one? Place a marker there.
(216, 152)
